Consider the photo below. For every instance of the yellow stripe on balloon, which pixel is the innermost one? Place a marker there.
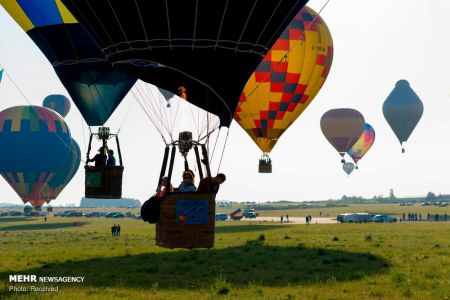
(66, 16)
(14, 9)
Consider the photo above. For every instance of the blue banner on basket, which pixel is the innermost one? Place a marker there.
(192, 211)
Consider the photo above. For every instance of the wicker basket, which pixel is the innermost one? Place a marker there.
(187, 220)
(103, 182)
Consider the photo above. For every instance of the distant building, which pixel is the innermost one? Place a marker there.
(122, 202)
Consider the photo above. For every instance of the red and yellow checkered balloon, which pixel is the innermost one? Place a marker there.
(287, 80)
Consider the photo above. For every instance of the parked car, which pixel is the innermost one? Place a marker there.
(118, 215)
(221, 217)
(249, 213)
(93, 214)
(384, 219)
(111, 214)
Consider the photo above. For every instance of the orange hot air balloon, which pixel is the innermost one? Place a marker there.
(285, 82)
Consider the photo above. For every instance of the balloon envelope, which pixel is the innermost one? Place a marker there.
(342, 127)
(94, 86)
(348, 167)
(58, 103)
(278, 92)
(54, 186)
(34, 142)
(210, 48)
(402, 109)
(363, 144)
(1, 75)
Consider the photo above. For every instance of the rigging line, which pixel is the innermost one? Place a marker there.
(176, 114)
(145, 111)
(37, 112)
(157, 104)
(267, 24)
(215, 144)
(142, 22)
(84, 138)
(279, 28)
(196, 124)
(126, 116)
(221, 23)
(92, 28)
(155, 107)
(168, 25)
(146, 104)
(223, 150)
(118, 21)
(43, 39)
(193, 78)
(195, 24)
(245, 26)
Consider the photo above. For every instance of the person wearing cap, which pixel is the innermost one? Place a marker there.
(111, 159)
(99, 158)
(187, 185)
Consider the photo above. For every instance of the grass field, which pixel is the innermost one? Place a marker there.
(249, 261)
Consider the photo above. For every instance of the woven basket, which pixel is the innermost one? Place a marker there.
(103, 182)
(187, 220)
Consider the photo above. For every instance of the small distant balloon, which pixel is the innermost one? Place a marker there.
(58, 103)
(402, 110)
(348, 167)
(362, 146)
(342, 127)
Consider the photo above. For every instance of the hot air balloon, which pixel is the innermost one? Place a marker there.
(58, 103)
(402, 109)
(348, 167)
(286, 81)
(342, 127)
(94, 86)
(363, 144)
(54, 186)
(1, 75)
(207, 49)
(35, 143)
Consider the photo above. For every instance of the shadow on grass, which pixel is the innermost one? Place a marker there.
(246, 228)
(43, 226)
(15, 219)
(253, 263)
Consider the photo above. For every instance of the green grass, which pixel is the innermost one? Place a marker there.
(249, 261)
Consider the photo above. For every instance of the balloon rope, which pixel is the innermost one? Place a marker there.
(168, 26)
(223, 150)
(221, 23)
(126, 115)
(245, 26)
(215, 144)
(195, 24)
(118, 22)
(267, 24)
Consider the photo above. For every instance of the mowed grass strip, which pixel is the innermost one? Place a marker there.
(249, 261)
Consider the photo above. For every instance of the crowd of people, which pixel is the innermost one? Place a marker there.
(418, 217)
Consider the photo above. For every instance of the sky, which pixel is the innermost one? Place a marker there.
(376, 43)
